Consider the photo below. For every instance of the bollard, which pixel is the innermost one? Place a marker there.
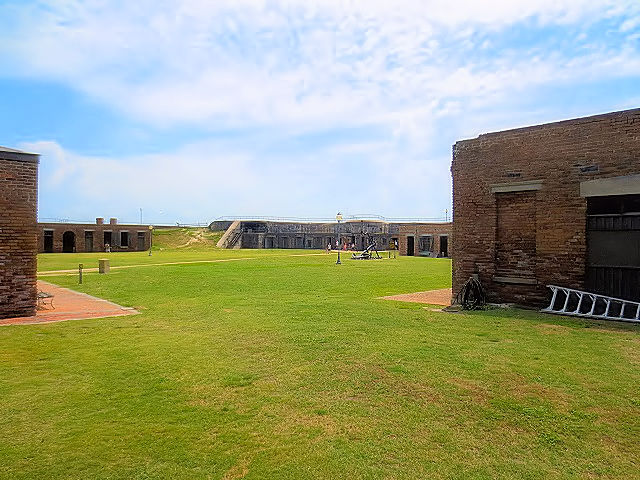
(103, 265)
(80, 273)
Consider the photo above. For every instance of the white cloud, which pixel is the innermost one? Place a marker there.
(403, 69)
(203, 180)
(295, 63)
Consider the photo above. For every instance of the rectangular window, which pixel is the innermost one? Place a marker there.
(124, 239)
(426, 243)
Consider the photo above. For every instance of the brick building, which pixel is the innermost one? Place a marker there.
(550, 204)
(92, 237)
(18, 248)
(414, 238)
(425, 239)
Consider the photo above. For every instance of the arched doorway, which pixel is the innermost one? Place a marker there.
(68, 242)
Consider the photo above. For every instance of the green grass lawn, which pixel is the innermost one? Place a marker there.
(284, 366)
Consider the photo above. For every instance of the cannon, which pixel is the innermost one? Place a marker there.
(368, 253)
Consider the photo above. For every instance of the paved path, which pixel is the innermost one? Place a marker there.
(74, 271)
(70, 305)
(432, 297)
(93, 270)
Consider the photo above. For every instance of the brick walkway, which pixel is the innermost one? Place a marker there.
(70, 305)
(432, 297)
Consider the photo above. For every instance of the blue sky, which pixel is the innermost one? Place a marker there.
(195, 109)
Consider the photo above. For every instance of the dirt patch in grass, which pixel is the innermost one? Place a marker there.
(471, 388)
(295, 421)
(374, 384)
(552, 329)
(514, 386)
(630, 348)
(317, 424)
(229, 394)
(239, 470)
(521, 389)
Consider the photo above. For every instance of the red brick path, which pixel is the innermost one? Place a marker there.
(432, 297)
(70, 305)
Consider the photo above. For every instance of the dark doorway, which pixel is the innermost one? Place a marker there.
(613, 246)
(444, 246)
(68, 242)
(410, 246)
(124, 239)
(107, 239)
(48, 241)
(140, 241)
(88, 241)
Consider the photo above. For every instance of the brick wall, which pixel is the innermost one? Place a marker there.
(261, 234)
(82, 242)
(417, 230)
(539, 236)
(18, 212)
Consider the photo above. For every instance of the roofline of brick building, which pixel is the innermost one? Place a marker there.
(146, 225)
(559, 123)
(18, 155)
(406, 222)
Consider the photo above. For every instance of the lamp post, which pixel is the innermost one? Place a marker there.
(150, 238)
(338, 219)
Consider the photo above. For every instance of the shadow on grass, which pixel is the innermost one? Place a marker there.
(559, 320)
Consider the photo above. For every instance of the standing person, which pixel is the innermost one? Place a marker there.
(328, 248)
(395, 248)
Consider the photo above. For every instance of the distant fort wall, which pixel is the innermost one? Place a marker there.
(412, 238)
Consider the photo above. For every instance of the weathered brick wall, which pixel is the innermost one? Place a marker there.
(98, 236)
(260, 234)
(556, 154)
(516, 234)
(416, 230)
(18, 212)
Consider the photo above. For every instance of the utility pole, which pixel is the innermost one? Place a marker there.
(338, 219)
